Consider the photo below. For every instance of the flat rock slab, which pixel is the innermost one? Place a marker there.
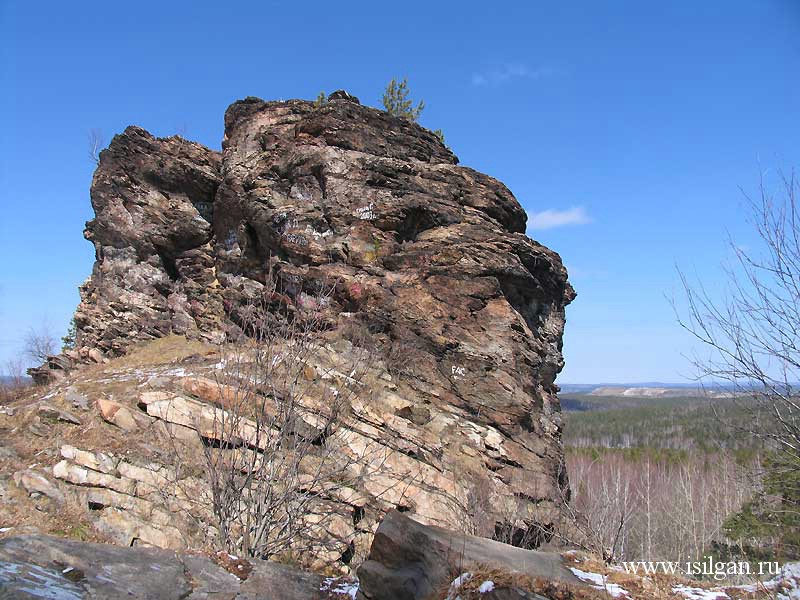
(410, 561)
(39, 566)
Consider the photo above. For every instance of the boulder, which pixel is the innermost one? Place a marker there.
(39, 566)
(35, 482)
(121, 415)
(411, 561)
(56, 414)
(76, 399)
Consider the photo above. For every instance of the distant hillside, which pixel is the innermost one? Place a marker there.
(648, 389)
(657, 421)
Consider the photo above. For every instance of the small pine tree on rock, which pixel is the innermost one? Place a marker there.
(68, 341)
(397, 102)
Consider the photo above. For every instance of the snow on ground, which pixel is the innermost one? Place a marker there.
(484, 588)
(693, 593)
(335, 585)
(789, 577)
(598, 582)
(785, 584)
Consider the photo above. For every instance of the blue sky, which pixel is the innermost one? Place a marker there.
(624, 128)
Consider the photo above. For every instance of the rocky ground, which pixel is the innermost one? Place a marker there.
(407, 561)
(94, 455)
(90, 460)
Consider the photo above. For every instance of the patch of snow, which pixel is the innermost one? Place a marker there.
(790, 570)
(452, 593)
(334, 585)
(692, 593)
(598, 582)
(33, 581)
(786, 584)
(179, 372)
(486, 587)
(5, 529)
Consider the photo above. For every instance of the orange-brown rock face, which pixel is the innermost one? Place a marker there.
(429, 261)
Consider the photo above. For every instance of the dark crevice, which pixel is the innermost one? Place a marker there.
(169, 264)
(531, 308)
(529, 537)
(347, 555)
(415, 221)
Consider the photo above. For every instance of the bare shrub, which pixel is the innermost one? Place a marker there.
(400, 358)
(596, 515)
(95, 145)
(282, 460)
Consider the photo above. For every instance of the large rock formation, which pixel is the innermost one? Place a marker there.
(429, 265)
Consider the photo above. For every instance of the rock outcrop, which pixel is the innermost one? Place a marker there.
(154, 272)
(427, 262)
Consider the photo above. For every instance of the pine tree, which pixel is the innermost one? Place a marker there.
(68, 341)
(396, 101)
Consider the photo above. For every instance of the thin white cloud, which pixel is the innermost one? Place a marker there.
(550, 218)
(507, 72)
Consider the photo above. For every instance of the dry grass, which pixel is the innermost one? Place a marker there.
(35, 441)
(161, 351)
(512, 580)
(655, 586)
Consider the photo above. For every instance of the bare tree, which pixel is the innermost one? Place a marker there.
(13, 381)
(15, 372)
(634, 508)
(752, 333)
(40, 343)
(598, 518)
(96, 144)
